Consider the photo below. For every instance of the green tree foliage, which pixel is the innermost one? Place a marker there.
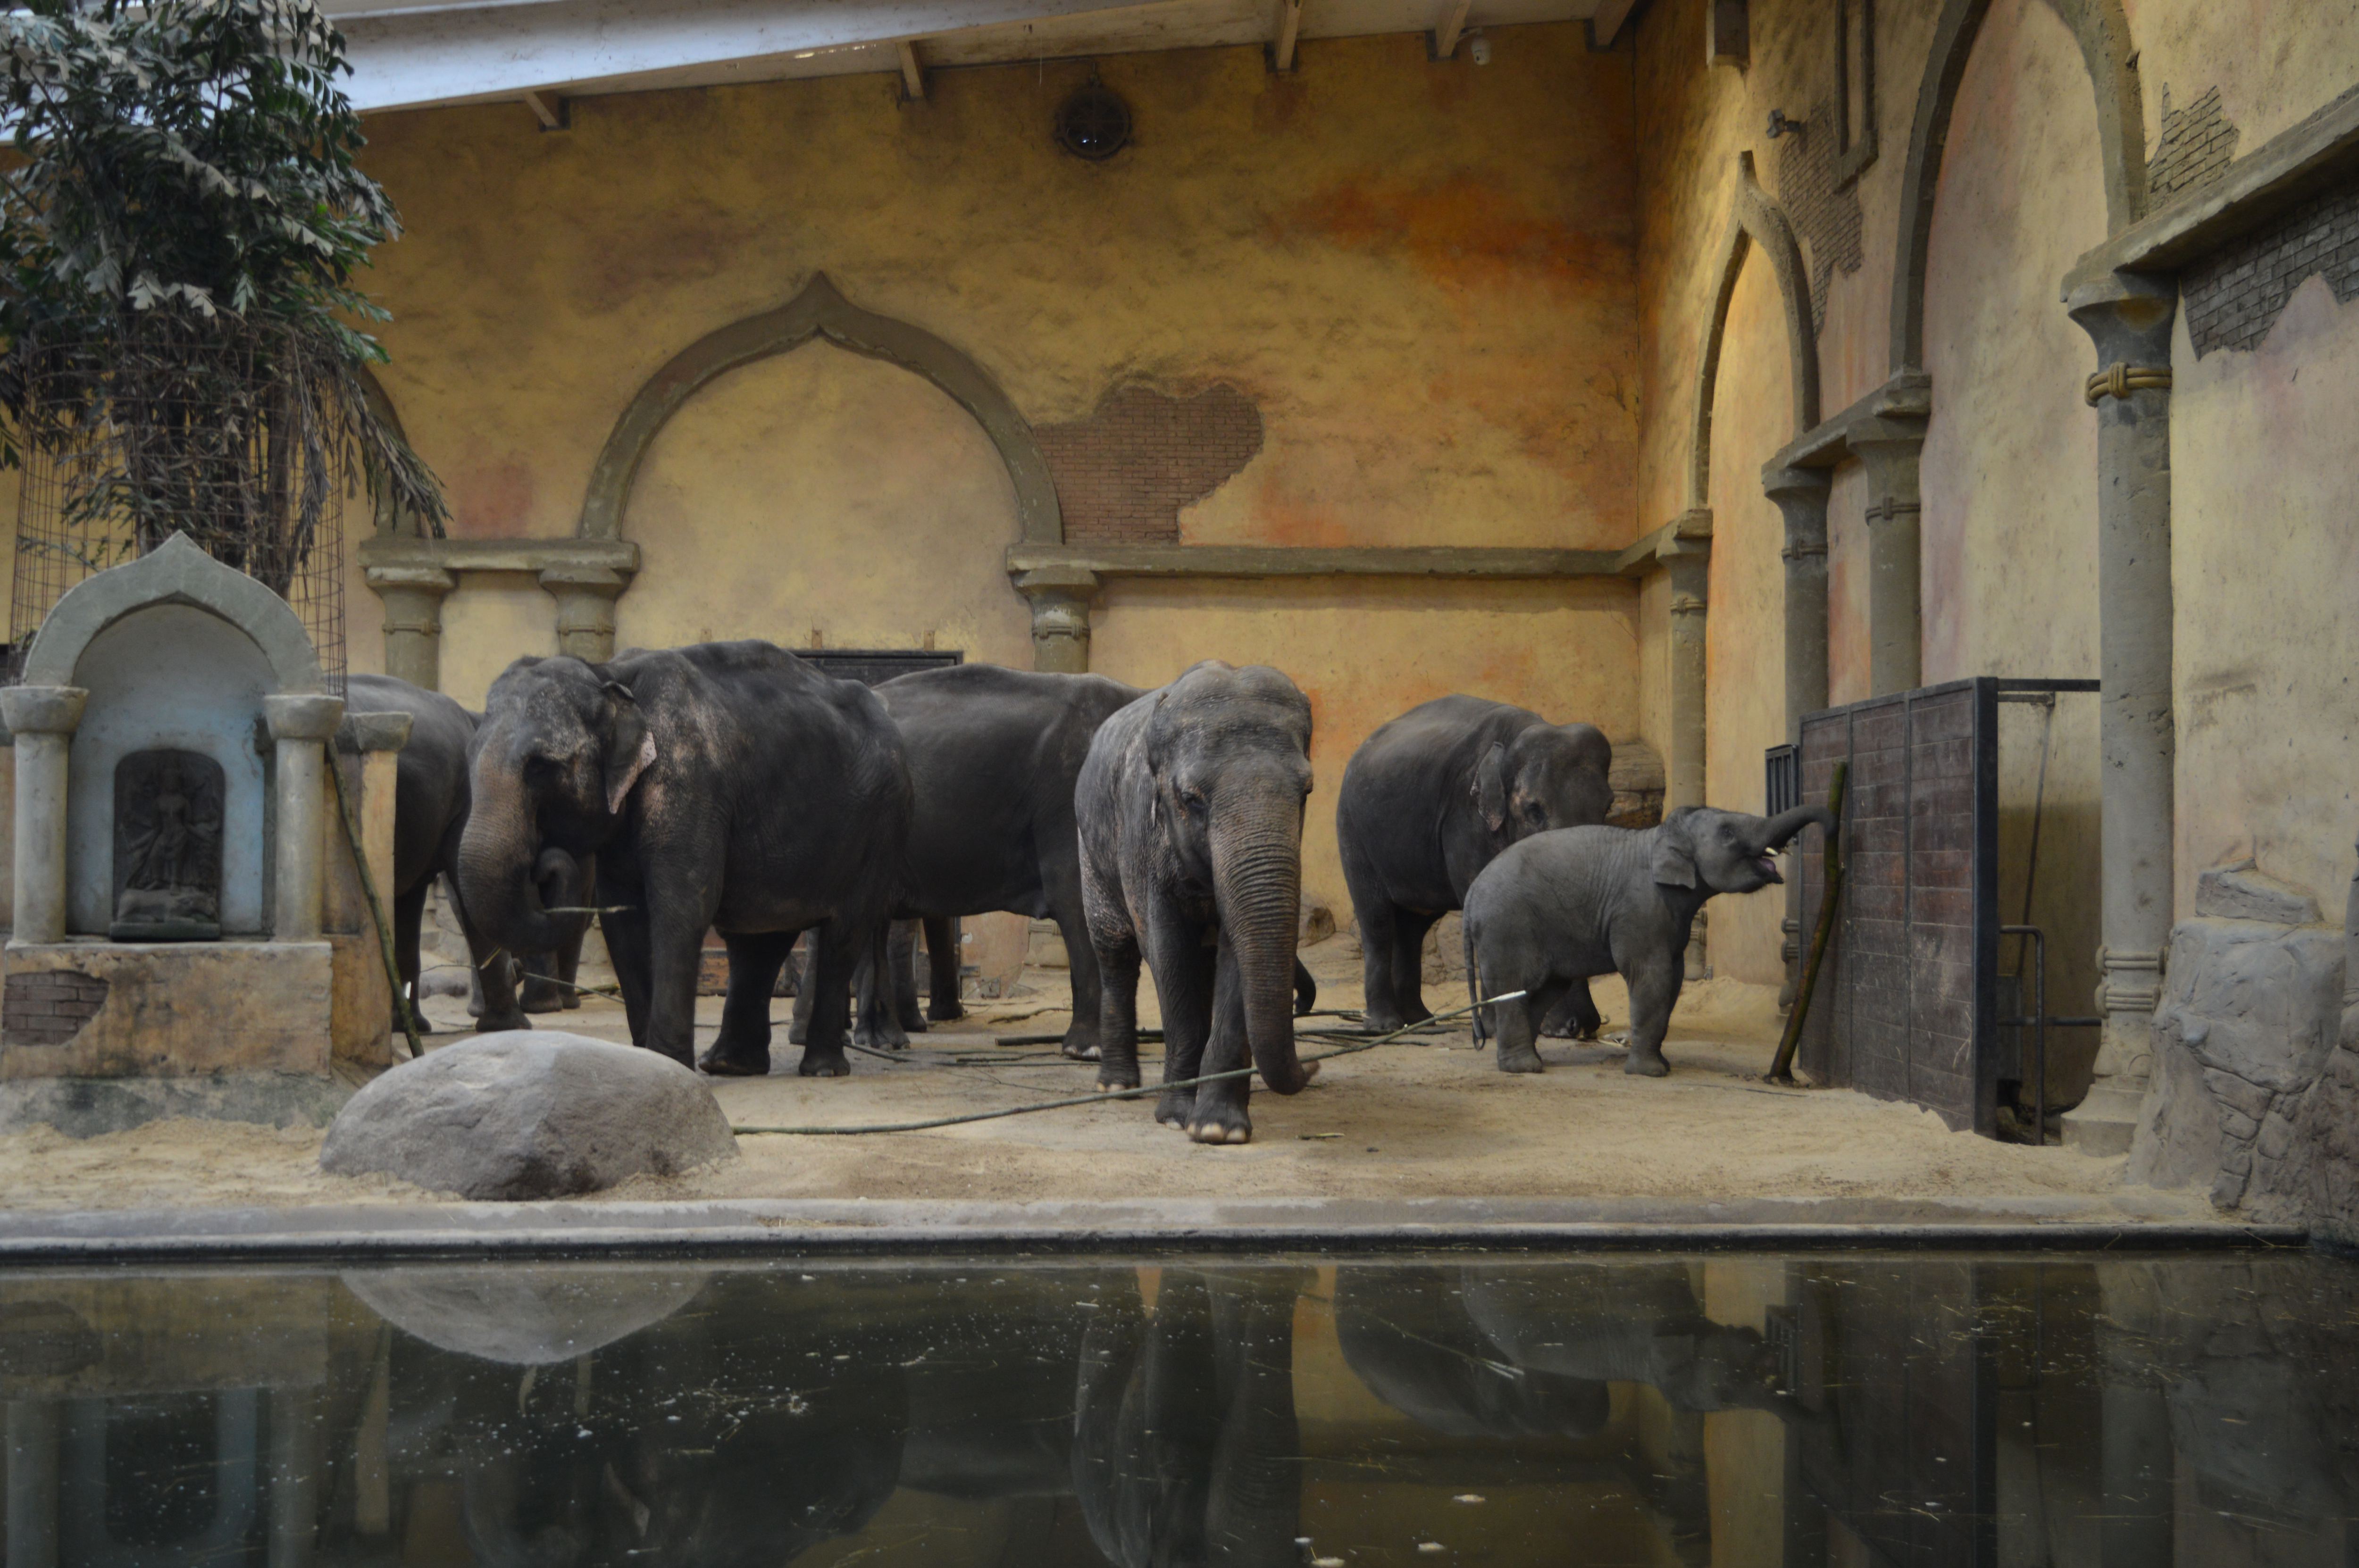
(179, 234)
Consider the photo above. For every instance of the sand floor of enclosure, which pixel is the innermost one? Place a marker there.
(1433, 1120)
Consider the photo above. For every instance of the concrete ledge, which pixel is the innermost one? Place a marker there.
(399, 553)
(1287, 561)
(2132, 1222)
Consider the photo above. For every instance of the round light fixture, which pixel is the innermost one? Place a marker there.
(1093, 122)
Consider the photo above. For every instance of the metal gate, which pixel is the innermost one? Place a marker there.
(1907, 1005)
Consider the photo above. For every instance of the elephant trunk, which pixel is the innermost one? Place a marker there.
(499, 870)
(1257, 853)
(1786, 824)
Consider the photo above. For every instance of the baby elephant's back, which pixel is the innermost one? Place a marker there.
(1561, 885)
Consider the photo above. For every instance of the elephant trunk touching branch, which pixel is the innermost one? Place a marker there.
(1561, 907)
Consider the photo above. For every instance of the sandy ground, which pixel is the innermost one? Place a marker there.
(1435, 1118)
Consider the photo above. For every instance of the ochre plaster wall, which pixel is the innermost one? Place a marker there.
(1366, 653)
(2008, 470)
(2274, 61)
(2265, 567)
(1745, 631)
(1423, 275)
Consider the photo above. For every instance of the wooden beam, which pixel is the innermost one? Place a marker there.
(549, 109)
(913, 72)
(1606, 26)
(1453, 28)
(1289, 28)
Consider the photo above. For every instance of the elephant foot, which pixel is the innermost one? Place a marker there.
(732, 1061)
(889, 1037)
(1382, 1021)
(541, 1001)
(1080, 1044)
(1111, 1077)
(945, 1010)
(824, 1065)
(572, 1002)
(1567, 1029)
(796, 1032)
(1175, 1108)
(917, 1025)
(1220, 1124)
(1646, 1062)
(1521, 1059)
(501, 1023)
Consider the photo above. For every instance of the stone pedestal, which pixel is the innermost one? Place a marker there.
(1060, 598)
(42, 719)
(412, 597)
(585, 598)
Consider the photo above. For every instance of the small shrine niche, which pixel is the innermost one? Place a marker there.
(168, 843)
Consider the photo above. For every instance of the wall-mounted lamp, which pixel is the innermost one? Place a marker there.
(1478, 49)
(1781, 126)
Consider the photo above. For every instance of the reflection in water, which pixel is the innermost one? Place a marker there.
(1734, 1410)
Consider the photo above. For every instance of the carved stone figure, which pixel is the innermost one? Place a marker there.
(168, 830)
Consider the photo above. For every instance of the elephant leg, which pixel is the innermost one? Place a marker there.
(495, 975)
(904, 953)
(806, 987)
(1518, 1045)
(835, 953)
(1410, 927)
(408, 914)
(679, 909)
(1575, 1017)
(1184, 969)
(1117, 956)
(626, 948)
(569, 952)
(1654, 991)
(1220, 1114)
(942, 970)
(541, 991)
(878, 986)
(742, 1049)
(1380, 1004)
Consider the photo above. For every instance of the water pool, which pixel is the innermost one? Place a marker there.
(1452, 1409)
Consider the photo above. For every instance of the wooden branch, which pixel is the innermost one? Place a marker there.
(913, 72)
(1289, 28)
(549, 109)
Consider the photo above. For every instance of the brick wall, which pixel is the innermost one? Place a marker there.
(2234, 298)
(49, 1007)
(1824, 208)
(2196, 145)
(1124, 473)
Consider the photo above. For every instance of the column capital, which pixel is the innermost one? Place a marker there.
(599, 583)
(431, 580)
(302, 716)
(585, 595)
(1792, 485)
(2128, 315)
(1061, 596)
(42, 710)
(374, 731)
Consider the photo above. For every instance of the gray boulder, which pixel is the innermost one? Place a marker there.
(530, 1114)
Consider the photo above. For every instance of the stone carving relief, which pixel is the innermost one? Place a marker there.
(168, 845)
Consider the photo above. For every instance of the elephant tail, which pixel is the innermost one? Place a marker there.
(1474, 985)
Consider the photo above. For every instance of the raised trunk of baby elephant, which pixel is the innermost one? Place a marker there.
(1258, 883)
(1786, 824)
(498, 861)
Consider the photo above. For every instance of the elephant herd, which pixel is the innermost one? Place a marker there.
(734, 786)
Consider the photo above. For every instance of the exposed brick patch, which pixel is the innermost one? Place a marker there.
(49, 1007)
(1124, 473)
(2197, 144)
(1827, 219)
(2236, 297)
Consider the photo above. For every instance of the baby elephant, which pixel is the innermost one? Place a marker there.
(1558, 907)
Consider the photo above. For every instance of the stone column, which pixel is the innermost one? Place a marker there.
(1060, 598)
(1896, 622)
(1689, 566)
(412, 597)
(1800, 494)
(42, 719)
(33, 1427)
(301, 723)
(2129, 318)
(368, 749)
(585, 609)
(294, 1477)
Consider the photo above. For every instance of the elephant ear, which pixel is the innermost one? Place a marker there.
(631, 752)
(1674, 864)
(1490, 786)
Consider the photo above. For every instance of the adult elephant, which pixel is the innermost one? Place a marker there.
(724, 785)
(993, 755)
(429, 815)
(1404, 1332)
(1430, 799)
(1560, 907)
(1190, 808)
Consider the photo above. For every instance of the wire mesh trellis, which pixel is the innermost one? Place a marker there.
(222, 435)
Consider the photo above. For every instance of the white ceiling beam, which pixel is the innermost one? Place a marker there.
(405, 56)
(1453, 28)
(548, 108)
(1289, 28)
(913, 71)
(1606, 26)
